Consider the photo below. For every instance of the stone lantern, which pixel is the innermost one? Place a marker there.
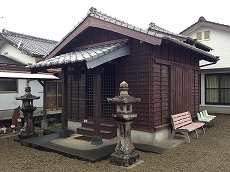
(27, 108)
(125, 154)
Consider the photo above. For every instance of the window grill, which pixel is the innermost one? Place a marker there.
(107, 91)
(89, 95)
(199, 36)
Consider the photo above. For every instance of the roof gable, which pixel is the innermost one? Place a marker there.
(30, 45)
(154, 36)
(203, 22)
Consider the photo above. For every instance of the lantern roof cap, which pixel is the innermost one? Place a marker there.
(124, 99)
(27, 95)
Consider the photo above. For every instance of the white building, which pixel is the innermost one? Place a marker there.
(17, 51)
(215, 78)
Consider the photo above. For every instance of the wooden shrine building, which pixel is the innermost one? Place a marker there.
(161, 68)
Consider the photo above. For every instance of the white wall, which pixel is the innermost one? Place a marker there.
(202, 89)
(15, 54)
(219, 42)
(8, 100)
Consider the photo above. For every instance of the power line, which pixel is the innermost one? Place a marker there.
(23, 21)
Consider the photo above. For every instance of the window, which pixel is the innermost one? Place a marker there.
(8, 86)
(217, 89)
(54, 95)
(206, 35)
(199, 36)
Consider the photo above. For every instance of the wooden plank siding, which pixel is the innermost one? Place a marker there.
(160, 94)
(135, 71)
(175, 85)
(76, 98)
(95, 35)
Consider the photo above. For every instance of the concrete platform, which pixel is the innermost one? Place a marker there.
(84, 150)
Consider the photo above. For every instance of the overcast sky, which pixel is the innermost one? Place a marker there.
(53, 19)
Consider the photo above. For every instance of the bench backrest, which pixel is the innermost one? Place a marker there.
(181, 119)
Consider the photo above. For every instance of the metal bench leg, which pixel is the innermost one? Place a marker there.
(186, 136)
(196, 133)
(203, 129)
(172, 135)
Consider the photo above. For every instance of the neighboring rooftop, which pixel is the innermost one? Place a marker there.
(30, 45)
(203, 22)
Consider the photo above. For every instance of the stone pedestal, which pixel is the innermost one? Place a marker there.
(118, 158)
(125, 154)
(27, 130)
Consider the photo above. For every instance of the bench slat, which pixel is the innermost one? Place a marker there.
(182, 123)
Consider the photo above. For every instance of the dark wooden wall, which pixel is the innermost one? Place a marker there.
(135, 70)
(76, 98)
(92, 36)
(166, 78)
(175, 83)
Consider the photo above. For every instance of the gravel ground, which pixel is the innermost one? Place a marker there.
(209, 153)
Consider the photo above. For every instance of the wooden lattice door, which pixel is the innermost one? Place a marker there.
(107, 91)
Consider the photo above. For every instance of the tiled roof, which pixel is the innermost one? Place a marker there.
(157, 33)
(86, 54)
(156, 28)
(153, 30)
(99, 15)
(30, 45)
(191, 47)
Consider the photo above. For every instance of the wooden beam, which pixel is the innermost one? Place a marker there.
(44, 100)
(64, 117)
(97, 139)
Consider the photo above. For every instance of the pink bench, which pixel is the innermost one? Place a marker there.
(182, 123)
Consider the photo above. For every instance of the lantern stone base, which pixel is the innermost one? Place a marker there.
(24, 135)
(119, 158)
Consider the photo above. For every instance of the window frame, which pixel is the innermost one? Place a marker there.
(207, 39)
(219, 89)
(198, 37)
(7, 91)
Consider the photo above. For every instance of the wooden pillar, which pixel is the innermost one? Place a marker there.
(44, 121)
(44, 100)
(97, 138)
(64, 117)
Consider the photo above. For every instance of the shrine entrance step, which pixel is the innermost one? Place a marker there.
(108, 131)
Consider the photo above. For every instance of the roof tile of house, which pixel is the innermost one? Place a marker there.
(30, 45)
(156, 32)
(85, 54)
